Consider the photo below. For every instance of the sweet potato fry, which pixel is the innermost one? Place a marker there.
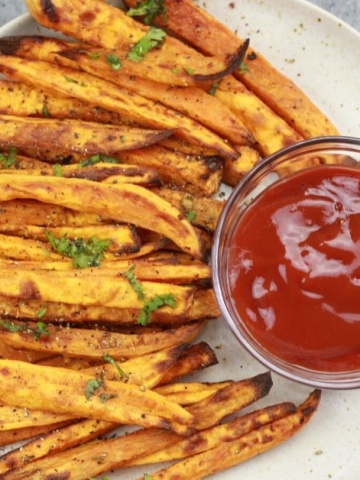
(214, 436)
(190, 101)
(210, 36)
(205, 211)
(13, 417)
(55, 441)
(146, 370)
(31, 212)
(20, 99)
(120, 35)
(234, 170)
(79, 395)
(123, 203)
(190, 392)
(99, 172)
(85, 87)
(194, 358)
(74, 135)
(92, 343)
(199, 175)
(9, 437)
(233, 452)
(123, 238)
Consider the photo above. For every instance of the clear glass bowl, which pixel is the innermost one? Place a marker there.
(325, 150)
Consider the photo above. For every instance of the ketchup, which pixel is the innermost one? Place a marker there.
(295, 268)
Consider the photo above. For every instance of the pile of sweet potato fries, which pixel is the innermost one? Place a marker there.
(115, 138)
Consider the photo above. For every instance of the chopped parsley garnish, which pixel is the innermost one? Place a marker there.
(149, 9)
(212, 90)
(155, 37)
(136, 285)
(37, 331)
(114, 61)
(153, 304)
(97, 159)
(85, 253)
(92, 55)
(58, 171)
(92, 386)
(189, 70)
(8, 159)
(243, 68)
(147, 476)
(191, 215)
(112, 361)
(150, 305)
(41, 313)
(45, 111)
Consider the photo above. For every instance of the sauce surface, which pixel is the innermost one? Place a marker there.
(295, 268)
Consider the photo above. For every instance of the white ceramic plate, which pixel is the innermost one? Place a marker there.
(321, 54)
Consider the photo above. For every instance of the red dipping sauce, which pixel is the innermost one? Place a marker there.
(295, 268)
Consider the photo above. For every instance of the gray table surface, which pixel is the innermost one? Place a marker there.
(346, 10)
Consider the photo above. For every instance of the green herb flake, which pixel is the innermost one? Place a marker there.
(58, 171)
(212, 90)
(189, 70)
(153, 304)
(93, 56)
(150, 305)
(175, 71)
(97, 159)
(114, 61)
(149, 9)
(136, 285)
(45, 111)
(92, 386)
(41, 329)
(85, 253)
(37, 332)
(243, 68)
(41, 313)
(112, 361)
(70, 79)
(147, 476)
(154, 38)
(8, 159)
(191, 215)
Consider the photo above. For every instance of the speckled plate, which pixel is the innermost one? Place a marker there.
(321, 54)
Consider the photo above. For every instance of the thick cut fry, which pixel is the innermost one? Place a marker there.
(200, 175)
(123, 203)
(13, 417)
(150, 269)
(212, 37)
(74, 135)
(146, 370)
(74, 393)
(20, 99)
(214, 436)
(206, 211)
(61, 439)
(94, 458)
(234, 170)
(111, 28)
(85, 87)
(230, 453)
(123, 239)
(191, 101)
(91, 343)
(31, 212)
(203, 307)
(100, 172)
(194, 358)
(8, 437)
(191, 392)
